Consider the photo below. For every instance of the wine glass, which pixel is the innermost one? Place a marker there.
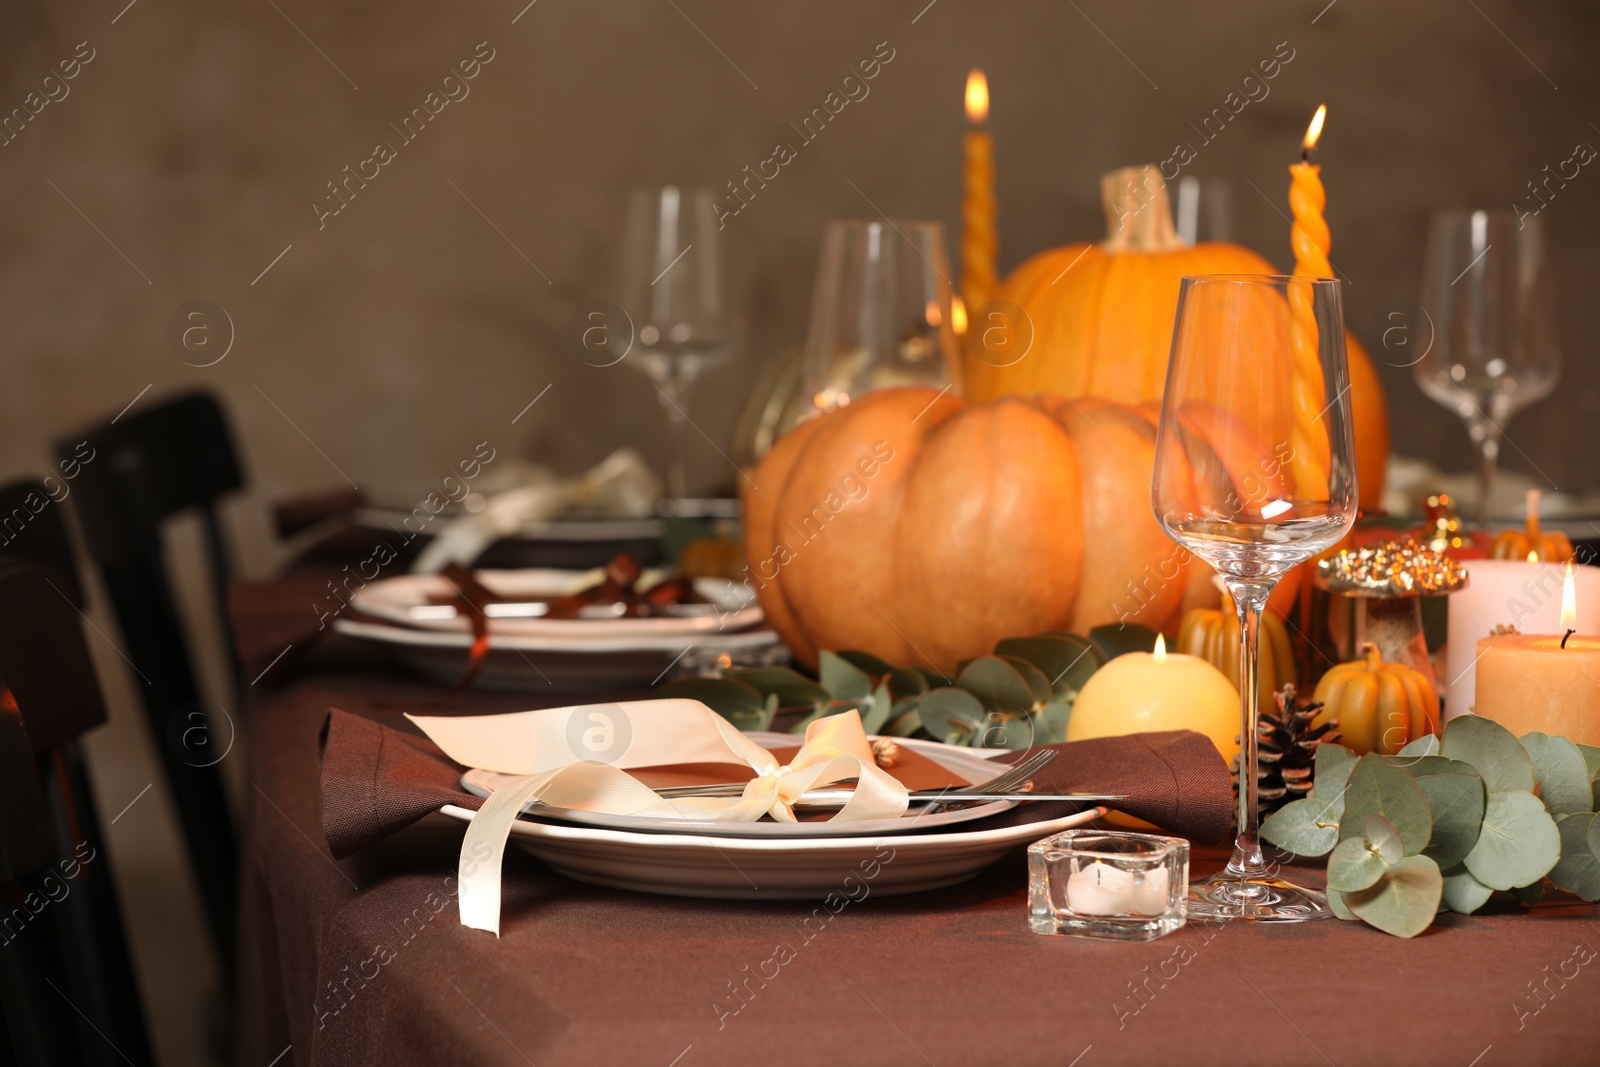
(880, 315)
(1487, 295)
(1255, 473)
(672, 289)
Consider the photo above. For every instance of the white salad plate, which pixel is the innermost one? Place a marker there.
(406, 600)
(537, 663)
(963, 762)
(765, 868)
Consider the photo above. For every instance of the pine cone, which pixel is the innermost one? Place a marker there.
(1287, 750)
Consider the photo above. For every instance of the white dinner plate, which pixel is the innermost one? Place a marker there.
(394, 600)
(963, 762)
(760, 868)
(537, 663)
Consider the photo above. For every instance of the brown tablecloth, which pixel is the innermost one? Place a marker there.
(361, 961)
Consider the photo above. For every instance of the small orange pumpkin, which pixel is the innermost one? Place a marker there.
(1102, 317)
(1212, 634)
(1381, 707)
(1530, 543)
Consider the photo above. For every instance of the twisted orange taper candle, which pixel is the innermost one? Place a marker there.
(1310, 239)
(979, 245)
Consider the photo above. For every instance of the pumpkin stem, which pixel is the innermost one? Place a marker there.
(1138, 212)
(1374, 657)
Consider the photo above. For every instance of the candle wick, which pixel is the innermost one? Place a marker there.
(1569, 633)
(1305, 155)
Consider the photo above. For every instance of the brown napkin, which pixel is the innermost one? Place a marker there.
(377, 780)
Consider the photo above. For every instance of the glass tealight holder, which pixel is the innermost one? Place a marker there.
(1099, 883)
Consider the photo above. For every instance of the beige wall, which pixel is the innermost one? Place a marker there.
(408, 329)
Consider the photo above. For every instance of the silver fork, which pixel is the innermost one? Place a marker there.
(1004, 782)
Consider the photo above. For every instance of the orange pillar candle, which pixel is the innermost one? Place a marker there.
(1549, 683)
(1310, 239)
(979, 246)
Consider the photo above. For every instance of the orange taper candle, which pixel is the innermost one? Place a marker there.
(1310, 239)
(979, 245)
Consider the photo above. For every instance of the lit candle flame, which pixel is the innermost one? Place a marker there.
(1569, 602)
(1533, 557)
(977, 97)
(1160, 652)
(958, 315)
(1313, 131)
(931, 313)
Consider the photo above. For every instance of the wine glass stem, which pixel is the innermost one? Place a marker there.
(674, 394)
(1249, 599)
(1486, 434)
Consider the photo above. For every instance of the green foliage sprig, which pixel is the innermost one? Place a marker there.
(1021, 695)
(1448, 821)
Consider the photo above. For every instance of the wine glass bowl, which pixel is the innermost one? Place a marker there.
(881, 312)
(1494, 351)
(672, 289)
(1255, 473)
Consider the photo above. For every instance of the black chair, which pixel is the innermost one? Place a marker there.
(132, 475)
(67, 990)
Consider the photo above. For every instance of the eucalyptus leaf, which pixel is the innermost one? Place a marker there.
(1005, 731)
(874, 719)
(933, 679)
(1034, 677)
(1562, 773)
(1340, 909)
(1519, 844)
(1352, 866)
(1381, 837)
(842, 678)
(1404, 901)
(1377, 787)
(1528, 895)
(1332, 771)
(1053, 719)
(739, 703)
(903, 681)
(1456, 797)
(793, 689)
(1591, 760)
(1116, 639)
(1578, 870)
(905, 723)
(1307, 827)
(950, 713)
(1426, 745)
(1493, 751)
(1463, 893)
(997, 685)
(1067, 660)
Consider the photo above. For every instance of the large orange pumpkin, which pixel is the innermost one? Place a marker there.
(919, 528)
(1102, 317)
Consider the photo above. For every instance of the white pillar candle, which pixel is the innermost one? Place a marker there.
(1100, 889)
(1503, 592)
(1151, 891)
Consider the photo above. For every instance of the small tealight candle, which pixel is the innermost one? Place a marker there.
(1152, 892)
(1100, 889)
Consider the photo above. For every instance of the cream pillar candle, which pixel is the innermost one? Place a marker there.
(1529, 682)
(1509, 593)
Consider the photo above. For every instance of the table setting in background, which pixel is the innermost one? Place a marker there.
(1061, 634)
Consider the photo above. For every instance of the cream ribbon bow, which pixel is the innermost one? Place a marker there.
(576, 758)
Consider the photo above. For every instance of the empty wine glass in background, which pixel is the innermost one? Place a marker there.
(1254, 487)
(672, 288)
(880, 315)
(1486, 290)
